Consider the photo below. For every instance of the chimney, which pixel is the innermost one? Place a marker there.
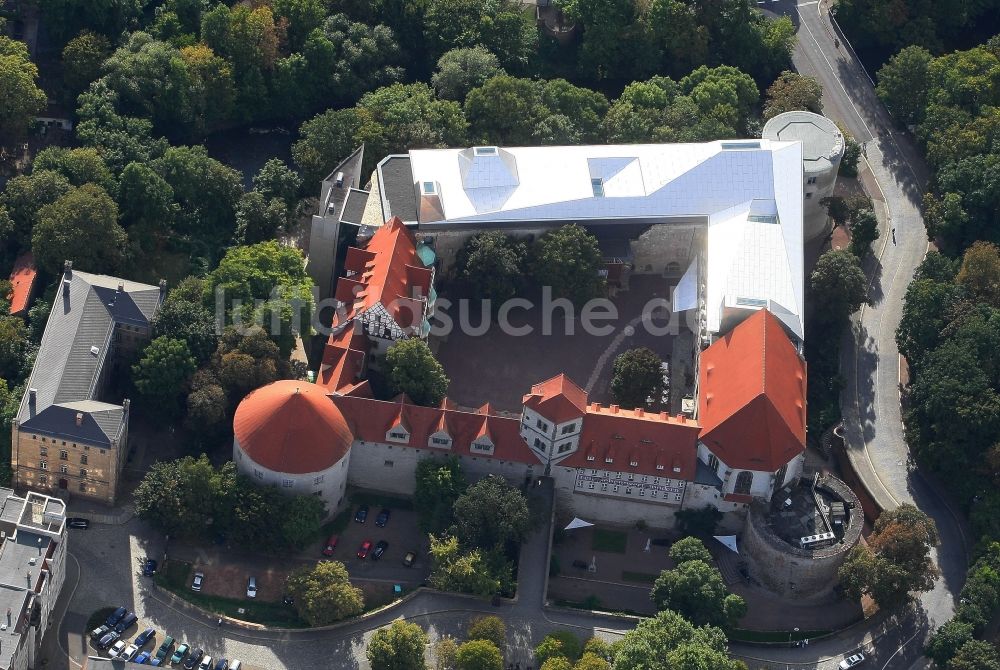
(121, 286)
(339, 180)
(614, 409)
(595, 407)
(125, 405)
(79, 418)
(163, 286)
(640, 411)
(681, 418)
(32, 395)
(665, 416)
(68, 269)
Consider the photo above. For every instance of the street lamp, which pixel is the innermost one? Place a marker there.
(793, 631)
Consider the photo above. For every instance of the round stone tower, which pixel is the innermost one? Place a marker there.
(822, 149)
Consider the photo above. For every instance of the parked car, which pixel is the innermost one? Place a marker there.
(410, 559)
(100, 632)
(109, 639)
(129, 652)
(142, 658)
(206, 663)
(194, 659)
(164, 649)
(852, 661)
(382, 518)
(252, 587)
(199, 579)
(580, 565)
(362, 514)
(331, 544)
(235, 665)
(143, 638)
(365, 547)
(149, 567)
(222, 664)
(115, 617)
(78, 522)
(117, 648)
(180, 653)
(126, 623)
(379, 549)
(157, 662)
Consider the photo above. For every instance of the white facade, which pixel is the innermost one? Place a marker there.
(550, 441)
(329, 484)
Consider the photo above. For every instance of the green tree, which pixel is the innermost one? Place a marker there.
(25, 195)
(455, 570)
(119, 139)
(358, 56)
(20, 98)
(864, 232)
(463, 69)
(491, 265)
(82, 58)
(412, 369)
(559, 644)
(408, 116)
(207, 405)
(301, 519)
(489, 628)
(10, 400)
(398, 646)
(81, 225)
(690, 549)
(211, 90)
(668, 642)
(503, 110)
(568, 260)
(556, 663)
(162, 374)
(444, 654)
(592, 662)
(607, 27)
(277, 180)
(303, 17)
(257, 219)
(176, 497)
(976, 655)
(501, 26)
(183, 316)
(980, 272)
(205, 190)
(325, 140)
(838, 286)
(637, 379)
(146, 206)
(78, 166)
(792, 91)
(945, 642)
(697, 591)
(15, 348)
(927, 309)
(852, 155)
(478, 655)
(323, 593)
(903, 84)
(439, 483)
(491, 513)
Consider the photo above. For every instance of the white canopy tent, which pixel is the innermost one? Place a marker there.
(729, 541)
(578, 523)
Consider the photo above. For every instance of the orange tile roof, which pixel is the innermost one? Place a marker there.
(343, 360)
(291, 426)
(752, 396)
(558, 399)
(370, 421)
(22, 279)
(658, 444)
(386, 271)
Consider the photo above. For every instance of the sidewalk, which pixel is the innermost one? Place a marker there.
(98, 513)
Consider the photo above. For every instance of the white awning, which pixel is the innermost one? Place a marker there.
(729, 541)
(686, 292)
(578, 523)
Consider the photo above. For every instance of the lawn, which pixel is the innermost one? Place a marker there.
(641, 577)
(612, 541)
(173, 576)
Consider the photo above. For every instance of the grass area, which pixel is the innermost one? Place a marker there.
(741, 635)
(375, 499)
(173, 576)
(612, 541)
(594, 603)
(98, 618)
(640, 577)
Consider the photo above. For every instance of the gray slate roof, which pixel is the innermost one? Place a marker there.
(335, 197)
(399, 195)
(67, 371)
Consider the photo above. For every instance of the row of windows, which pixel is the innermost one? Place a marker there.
(43, 480)
(64, 469)
(44, 450)
(634, 464)
(630, 477)
(63, 455)
(616, 488)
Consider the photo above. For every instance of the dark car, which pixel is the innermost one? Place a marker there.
(331, 544)
(149, 567)
(109, 639)
(222, 664)
(115, 617)
(365, 547)
(194, 659)
(362, 514)
(382, 518)
(580, 565)
(78, 523)
(126, 623)
(143, 638)
(100, 632)
(409, 559)
(379, 549)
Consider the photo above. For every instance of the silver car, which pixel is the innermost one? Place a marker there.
(852, 661)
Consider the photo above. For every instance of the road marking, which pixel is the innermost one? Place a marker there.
(899, 650)
(62, 619)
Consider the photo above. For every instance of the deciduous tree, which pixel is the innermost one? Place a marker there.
(463, 69)
(903, 84)
(568, 260)
(455, 570)
(413, 370)
(324, 594)
(20, 97)
(491, 265)
(697, 591)
(491, 513)
(162, 374)
(489, 628)
(478, 655)
(637, 379)
(82, 58)
(439, 483)
(792, 91)
(82, 225)
(838, 286)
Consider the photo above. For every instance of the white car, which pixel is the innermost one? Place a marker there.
(199, 577)
(252, 587)
(117, 648)
(852, 661)
(206, 663)
(129, 652)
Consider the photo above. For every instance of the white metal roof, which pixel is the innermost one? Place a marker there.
(749, 191)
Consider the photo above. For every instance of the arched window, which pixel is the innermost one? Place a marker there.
(779, 476)
(713, 463)
(744, 481)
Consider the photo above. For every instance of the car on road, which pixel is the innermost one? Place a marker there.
(580, 564)
(115, 617)
(109, 639)
(148, 567)
(100, 632)
(199, 579)
(252, 587)
(365, 547)
(142, 658)
(129, 652)
(379, 549)
(127, 622)
(206, 663)
(164, 649)
(362, 514)
(382, 518)
(143, 638)
(194, 659)
(117, 648)
(409, 559)
(180, 653)
(78, 522)
(331, 544)
(852, 661)
(222, 664)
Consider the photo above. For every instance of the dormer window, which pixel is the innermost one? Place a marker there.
(428, 188)
(484, 151)
(597, 185)
(480, 446)
(659, 467)
(590, 457)
(437, 441)
(608, 459)
(633, 463)
(398, 434)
